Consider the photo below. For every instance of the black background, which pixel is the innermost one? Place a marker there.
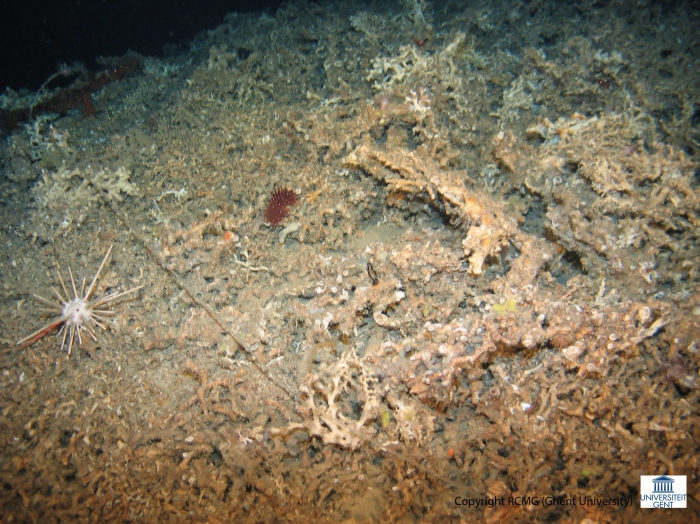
(35, 35)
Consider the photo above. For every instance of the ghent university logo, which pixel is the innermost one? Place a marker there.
(666, 491)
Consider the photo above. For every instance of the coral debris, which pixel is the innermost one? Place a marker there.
(72, 98)
(278, 206)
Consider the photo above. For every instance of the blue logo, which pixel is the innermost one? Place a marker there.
(663, 484)
(663, 491)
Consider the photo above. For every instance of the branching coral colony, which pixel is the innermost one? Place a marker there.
(489, 228)
(79, 313)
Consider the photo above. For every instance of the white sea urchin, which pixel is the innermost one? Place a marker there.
(77, 314)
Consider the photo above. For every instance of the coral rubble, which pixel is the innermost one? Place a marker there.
(487, 286)
(489, 229)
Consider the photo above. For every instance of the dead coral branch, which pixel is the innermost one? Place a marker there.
(489, 229)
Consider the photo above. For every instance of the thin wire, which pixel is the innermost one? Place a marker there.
(246, 352)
